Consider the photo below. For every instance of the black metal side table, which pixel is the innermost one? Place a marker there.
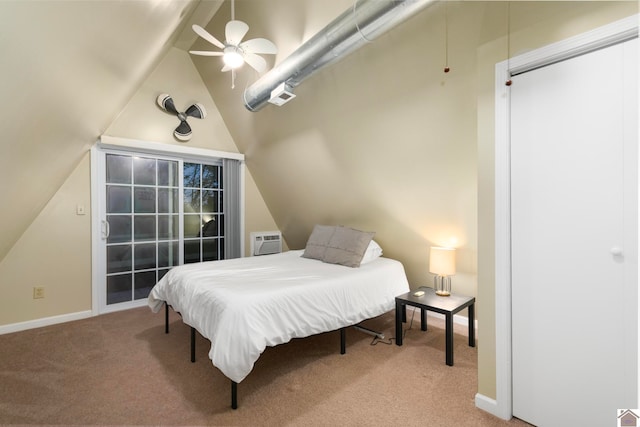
(444, 305)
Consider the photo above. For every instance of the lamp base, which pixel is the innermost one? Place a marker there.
(442, 285)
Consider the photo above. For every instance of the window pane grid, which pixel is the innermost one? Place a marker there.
(203, 221)
(143, 213)
(161, 213)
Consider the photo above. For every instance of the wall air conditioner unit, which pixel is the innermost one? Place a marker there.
(265, 242)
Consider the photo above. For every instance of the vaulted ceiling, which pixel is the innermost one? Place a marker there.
(68, 69)
(384, 140)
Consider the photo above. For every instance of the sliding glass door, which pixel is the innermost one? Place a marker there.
(142, 224)
(157, 212)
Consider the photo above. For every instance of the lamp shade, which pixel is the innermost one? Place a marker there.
(442, 261)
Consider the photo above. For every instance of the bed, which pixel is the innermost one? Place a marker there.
(244, 305)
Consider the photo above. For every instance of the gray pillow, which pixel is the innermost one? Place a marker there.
(347, 246)
(318, 241)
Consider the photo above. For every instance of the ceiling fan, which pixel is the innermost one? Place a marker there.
(234, 51)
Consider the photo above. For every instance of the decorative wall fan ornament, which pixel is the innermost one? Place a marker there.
(234, 51)
(183, 131)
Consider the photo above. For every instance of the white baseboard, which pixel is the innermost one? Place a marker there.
(45, 321)
(490, 405)
(460, 320)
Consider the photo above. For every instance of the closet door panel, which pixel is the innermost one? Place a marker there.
(574, 239)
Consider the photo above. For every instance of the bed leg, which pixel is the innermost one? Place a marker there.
(166, 318)
(193, 344)
(234, 395)
(343, 340)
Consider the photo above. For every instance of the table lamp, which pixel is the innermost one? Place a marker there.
(442, 263)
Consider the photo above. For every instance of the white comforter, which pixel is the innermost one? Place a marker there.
(244, 305)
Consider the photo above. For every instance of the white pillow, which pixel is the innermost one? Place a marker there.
(373, 251)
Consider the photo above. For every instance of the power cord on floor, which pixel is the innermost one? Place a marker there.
(377, 341)
(389, 341)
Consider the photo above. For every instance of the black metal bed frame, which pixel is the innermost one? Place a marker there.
(234, 385)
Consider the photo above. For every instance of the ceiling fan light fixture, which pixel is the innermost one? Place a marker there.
(232, 57)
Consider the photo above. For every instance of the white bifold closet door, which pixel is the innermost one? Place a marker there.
(574, 212)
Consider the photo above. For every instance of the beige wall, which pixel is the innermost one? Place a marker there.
(63, 90)
(142, 119)
(360, 147)
(55, 250)
(385, 141)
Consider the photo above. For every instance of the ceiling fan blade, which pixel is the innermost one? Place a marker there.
(208, 37)
(183, 131)
(205, 53)
(259, 45)
(256, 62)
(196, 110)
(235, 31)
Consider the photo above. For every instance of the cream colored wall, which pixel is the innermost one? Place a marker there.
(61, 90)
(385, 141)
(55, 250)
(142, 119)
(360, 147)
(55, 253)
(257, 216)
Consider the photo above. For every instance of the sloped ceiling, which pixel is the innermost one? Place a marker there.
(68, 69)
(384, 140)
(352, 136)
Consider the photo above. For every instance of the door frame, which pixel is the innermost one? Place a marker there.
(616, 32)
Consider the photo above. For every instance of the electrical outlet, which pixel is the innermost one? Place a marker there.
(38, 292)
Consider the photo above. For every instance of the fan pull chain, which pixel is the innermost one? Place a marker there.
(446, 38)
(508, 82)
(233, 18)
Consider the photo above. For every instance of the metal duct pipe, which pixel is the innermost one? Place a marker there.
(365, 21)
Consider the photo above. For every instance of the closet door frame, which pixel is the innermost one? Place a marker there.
(616, 32)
